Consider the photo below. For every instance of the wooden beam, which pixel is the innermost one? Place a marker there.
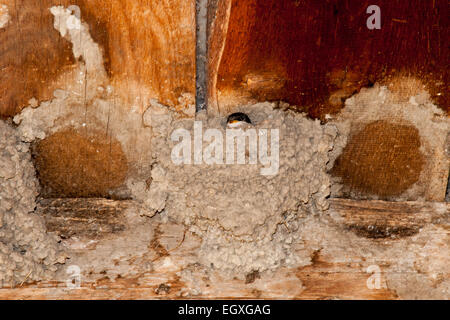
(315, 54)
(148, 50)
(322, 279)
(369, 218)
(381, 219)
(218, 29)
(90, 218)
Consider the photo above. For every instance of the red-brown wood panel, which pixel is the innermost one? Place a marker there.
(304, 51)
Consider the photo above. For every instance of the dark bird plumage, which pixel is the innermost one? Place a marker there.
(238, 118)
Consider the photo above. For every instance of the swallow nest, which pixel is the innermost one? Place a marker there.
(248, 220)
(27, 252)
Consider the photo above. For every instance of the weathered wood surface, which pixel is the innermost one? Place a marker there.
(370, 218)
(380, 219)
(82, 217)
(148, 48)
(315, 54)
(320, 280)
(310, 54)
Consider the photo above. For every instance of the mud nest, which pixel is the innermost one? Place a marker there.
(27, 252)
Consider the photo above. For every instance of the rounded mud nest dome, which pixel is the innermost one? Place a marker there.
(27, 252)
(246, 215)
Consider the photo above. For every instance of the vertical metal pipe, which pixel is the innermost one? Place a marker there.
(201, 55)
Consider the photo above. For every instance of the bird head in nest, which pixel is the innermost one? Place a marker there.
(238, 120)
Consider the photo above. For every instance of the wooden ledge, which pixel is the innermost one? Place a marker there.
(321, 280)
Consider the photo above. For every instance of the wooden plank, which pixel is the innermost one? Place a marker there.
(312, 55)
(89, 218)
(148, 49)
(381, 219)
(369, 218)
(219, 17)
(321, 280)
(315, 54)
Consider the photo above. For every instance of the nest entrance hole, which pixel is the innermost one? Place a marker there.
(383, 159)
(79, 164)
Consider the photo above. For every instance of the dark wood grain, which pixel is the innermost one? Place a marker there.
(317, 48)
